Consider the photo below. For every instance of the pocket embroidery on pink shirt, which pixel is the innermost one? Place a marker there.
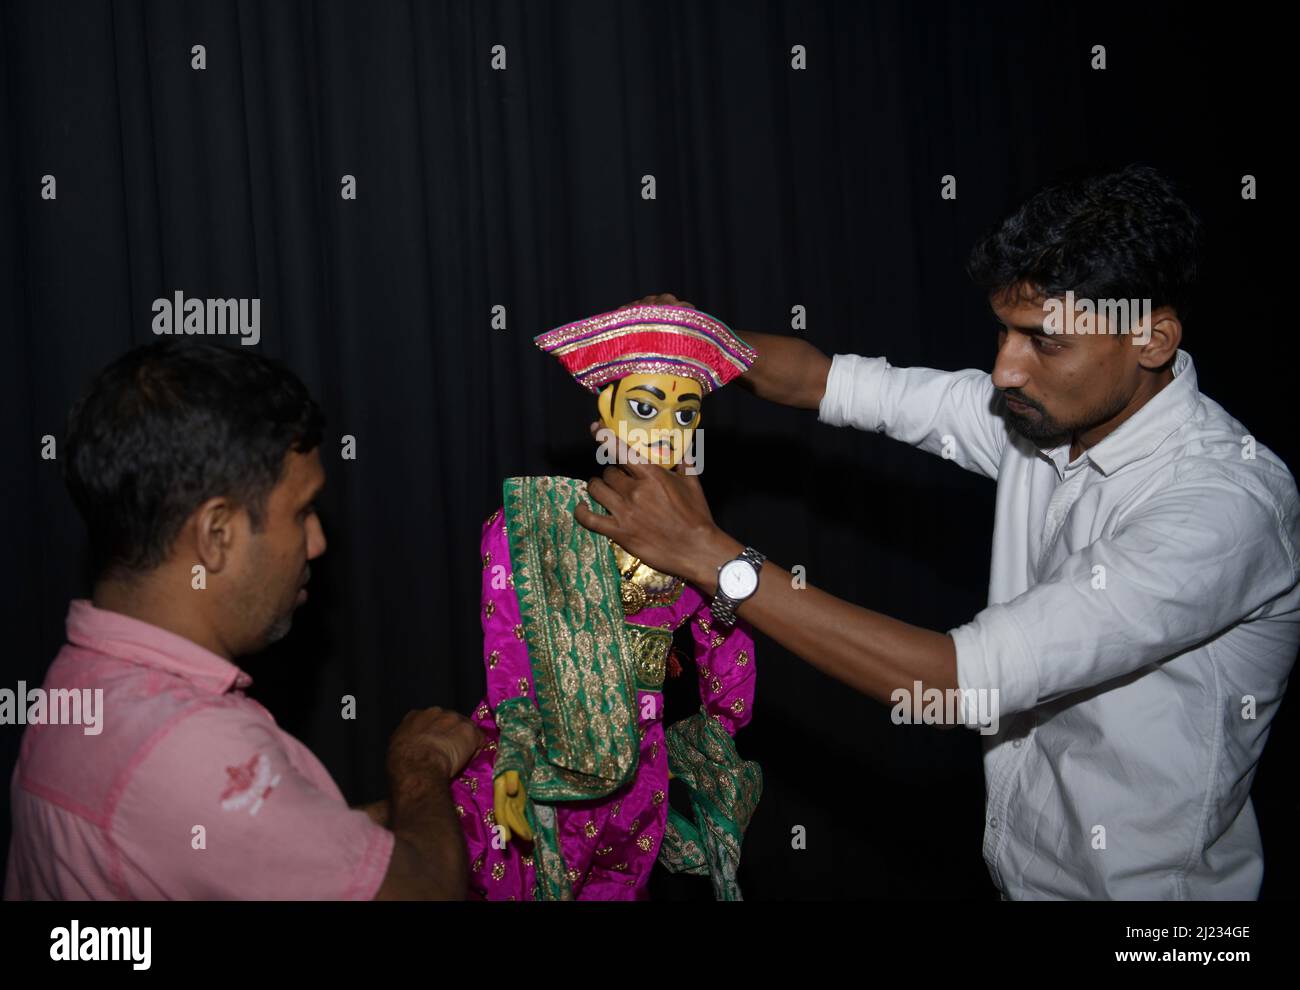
(250, 784)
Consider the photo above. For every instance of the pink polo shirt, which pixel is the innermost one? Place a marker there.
(189, 791)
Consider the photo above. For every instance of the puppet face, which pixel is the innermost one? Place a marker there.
(656, 415)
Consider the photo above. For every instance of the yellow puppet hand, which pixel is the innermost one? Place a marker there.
(508, 802)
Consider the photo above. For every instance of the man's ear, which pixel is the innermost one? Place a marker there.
(1166, 336)
(215, 524)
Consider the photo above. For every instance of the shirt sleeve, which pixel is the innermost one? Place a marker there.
(216, 810)
(725, 661)
(1191, 561)
(949, 413)
(505, 652)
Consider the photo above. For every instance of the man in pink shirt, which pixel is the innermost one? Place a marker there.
(196, 467)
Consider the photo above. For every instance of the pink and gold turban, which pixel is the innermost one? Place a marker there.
(653, 340)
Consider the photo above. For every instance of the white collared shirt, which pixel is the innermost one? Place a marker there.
(1143, 617)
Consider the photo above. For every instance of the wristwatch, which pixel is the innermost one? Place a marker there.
(737, 581)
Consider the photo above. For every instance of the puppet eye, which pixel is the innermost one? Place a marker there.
(642, 410)
(685, 417)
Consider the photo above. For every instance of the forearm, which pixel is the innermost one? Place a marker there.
(789, 371)
(429, 859)
(870, 652)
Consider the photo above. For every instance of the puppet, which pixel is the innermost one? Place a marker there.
(569, 797)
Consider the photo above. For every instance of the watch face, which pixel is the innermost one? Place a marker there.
(738, 579)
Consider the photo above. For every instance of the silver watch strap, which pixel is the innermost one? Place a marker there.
(724, 606)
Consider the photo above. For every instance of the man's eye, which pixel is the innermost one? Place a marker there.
(1043, 344)
(685, 417)
(308, 511)
(642, 410)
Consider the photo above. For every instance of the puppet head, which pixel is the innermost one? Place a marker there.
(651, 367)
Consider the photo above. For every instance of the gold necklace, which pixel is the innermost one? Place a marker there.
(641, 585)
(634, 596)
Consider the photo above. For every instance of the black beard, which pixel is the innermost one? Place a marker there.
(1042, 432)
(1046, 432)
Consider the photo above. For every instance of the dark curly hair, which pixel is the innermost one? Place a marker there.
(1124, 235)
(169, 425)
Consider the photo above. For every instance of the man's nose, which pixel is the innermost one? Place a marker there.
(1010, 369)
(315, 538)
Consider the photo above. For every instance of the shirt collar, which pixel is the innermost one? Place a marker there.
(120, 636)
(1139, 435)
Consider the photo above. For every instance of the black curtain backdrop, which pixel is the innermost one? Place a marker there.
(522, 188)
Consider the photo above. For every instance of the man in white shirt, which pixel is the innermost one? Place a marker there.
(1144, 598)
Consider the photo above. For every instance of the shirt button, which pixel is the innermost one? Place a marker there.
(1017, 743)
(993, 823)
